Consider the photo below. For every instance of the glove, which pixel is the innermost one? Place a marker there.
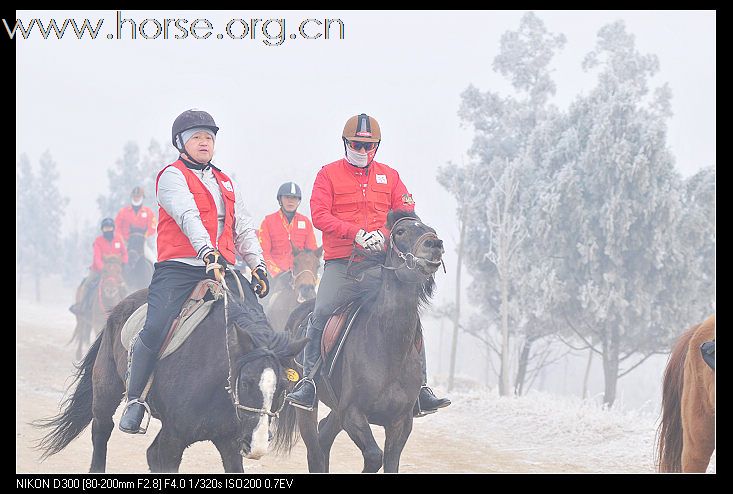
(373, 241)
(214, 260)
(260, 284)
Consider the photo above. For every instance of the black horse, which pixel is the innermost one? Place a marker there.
(377, 378)
(139, 270)
(190, 389)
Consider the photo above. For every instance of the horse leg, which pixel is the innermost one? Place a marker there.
(328, 429)
(152, 455)
(356, 425)
(395, 437)
(307, 424)
(107, 391)
(169, 451)
(230, 455)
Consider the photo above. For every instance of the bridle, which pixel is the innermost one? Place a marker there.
(296, 276)
(409, 260)
(256, 354)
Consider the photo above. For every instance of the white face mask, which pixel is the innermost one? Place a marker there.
(356, 158)
(136, 203)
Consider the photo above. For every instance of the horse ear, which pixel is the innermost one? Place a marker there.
(239, 342)
(296, 250)
(319, 251)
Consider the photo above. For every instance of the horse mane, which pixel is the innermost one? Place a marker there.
(258, 329)
(365, 292)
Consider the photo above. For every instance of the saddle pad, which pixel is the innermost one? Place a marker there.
(135, 323)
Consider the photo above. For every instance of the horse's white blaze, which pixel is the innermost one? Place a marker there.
(260, 438)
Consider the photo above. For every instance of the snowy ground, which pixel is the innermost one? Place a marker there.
(479, 432)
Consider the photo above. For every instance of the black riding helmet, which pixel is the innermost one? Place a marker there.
(289, 189)
(107, 222)
(188, 120)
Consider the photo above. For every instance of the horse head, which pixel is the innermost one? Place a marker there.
(112, 285)
(415, 251)
(260, 363)
(305, 272)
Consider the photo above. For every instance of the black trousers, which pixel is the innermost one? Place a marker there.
(171, 286)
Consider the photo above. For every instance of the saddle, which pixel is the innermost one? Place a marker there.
(708, 353)
(335, 333)
(194, 310)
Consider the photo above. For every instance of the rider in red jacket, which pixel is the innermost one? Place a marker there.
(350, 201)
(285, 229)
(135, 218)
(106, 246)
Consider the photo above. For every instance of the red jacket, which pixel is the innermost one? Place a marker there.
(345, 200)
(172, 242)
(144, 219)
(278, 237)
(104, 249)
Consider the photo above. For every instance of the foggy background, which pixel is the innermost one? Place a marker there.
(281, 110)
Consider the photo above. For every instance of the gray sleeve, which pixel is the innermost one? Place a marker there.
(245, 233)
(177, 200)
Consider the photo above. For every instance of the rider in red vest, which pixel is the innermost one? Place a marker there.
(202, 225)
(135, 218)
(350, 201)
(106, 246)
(285, 229)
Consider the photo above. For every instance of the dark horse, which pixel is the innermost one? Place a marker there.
(686, 435)
(139, 270)
(190, 393)
(377, 378)
(292, 288)
(108, 293)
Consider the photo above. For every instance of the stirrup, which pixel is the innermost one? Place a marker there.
(315, 394)
(418, 412)
(140, 429)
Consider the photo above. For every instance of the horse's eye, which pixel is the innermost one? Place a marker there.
(399, 231)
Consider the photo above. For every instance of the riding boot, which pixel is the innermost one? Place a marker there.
(304, 394)
(139, 368)
(427, 402)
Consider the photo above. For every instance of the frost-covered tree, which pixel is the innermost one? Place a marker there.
(77, 248)
(41, 209)
(133, 170)
(27, 221)
(612, 208)
(466, 185)
(496, 232)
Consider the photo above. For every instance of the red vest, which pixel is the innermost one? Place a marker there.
(362, 207)
(172, 242)
(277, 238)
(144, 219)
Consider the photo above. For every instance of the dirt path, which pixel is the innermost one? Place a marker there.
(438, 443)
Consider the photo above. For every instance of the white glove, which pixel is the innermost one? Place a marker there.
(373, 240)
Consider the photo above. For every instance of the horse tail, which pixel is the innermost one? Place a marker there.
(77, 408)
(286, 430)
(669, 432)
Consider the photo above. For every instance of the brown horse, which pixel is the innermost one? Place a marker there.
(292, 288)
(687, 430)
(110, 290)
